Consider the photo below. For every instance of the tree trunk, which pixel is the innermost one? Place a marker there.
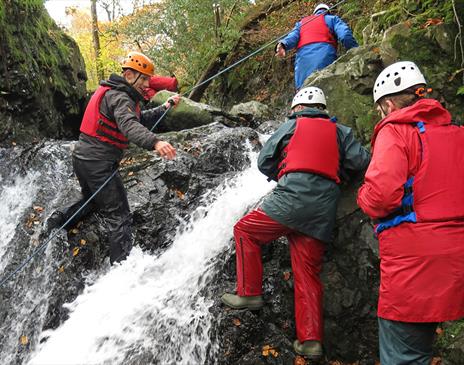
(215, 65)
(96, 39)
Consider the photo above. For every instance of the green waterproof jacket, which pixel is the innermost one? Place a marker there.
(303, 201)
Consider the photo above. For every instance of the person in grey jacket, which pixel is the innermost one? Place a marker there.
(308, 156)
(111, 120)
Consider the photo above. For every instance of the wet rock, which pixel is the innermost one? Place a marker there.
(253, 112)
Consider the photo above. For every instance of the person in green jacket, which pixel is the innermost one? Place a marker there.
(308, 156)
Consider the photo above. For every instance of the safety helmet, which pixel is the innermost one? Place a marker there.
(309, 95)
(139, 62)
(321, 6)
(397, 77)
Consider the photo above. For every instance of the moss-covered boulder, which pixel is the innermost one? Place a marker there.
(190, 114)
(43, 75)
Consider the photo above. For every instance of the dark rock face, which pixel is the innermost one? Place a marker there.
(43, 76)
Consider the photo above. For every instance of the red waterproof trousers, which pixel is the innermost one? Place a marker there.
(256, 229)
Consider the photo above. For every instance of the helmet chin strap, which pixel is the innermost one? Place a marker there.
(137, 79)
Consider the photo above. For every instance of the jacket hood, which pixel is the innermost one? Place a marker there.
(310, 112)
(117, 82)
(429, 111)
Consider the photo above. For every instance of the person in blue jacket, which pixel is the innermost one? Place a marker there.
(316, 38)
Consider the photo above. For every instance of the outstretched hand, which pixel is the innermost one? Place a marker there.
(172, 101)
(280, 51)
(165, 150)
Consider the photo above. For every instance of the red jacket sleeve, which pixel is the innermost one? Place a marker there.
(383, 190)
(158, 83)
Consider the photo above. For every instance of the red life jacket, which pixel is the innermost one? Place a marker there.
(436, 192)
(314, 30)
(313, 148)
(95, 124)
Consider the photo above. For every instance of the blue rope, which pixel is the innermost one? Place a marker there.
(44, 245)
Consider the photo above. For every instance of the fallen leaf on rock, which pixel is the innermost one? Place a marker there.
(75, 251)
(180, 194)
(61, 269)
(82, 242)
(269, 350)
(436, 361)
(24, 340)
(287, 275)
(38, 209)
(236, 322)
(299, 360)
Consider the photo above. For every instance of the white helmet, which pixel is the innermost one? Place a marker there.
(396, 78)
(321, 6)
(309, 95)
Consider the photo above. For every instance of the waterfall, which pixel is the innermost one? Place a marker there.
(150, 309)
(31, 177)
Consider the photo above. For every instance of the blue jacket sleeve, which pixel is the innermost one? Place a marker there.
(291, 40)
(341, 30)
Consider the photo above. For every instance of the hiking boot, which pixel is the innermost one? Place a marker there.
(310, 349)
(237, 302)
(56, 220)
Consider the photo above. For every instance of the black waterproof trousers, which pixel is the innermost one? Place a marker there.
(111, 201)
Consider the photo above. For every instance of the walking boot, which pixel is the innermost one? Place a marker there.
(311, 349)
(56, 220)
(238, 302)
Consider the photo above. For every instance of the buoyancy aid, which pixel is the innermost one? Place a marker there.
(313, 148)
(95, 124)
(314, 30)
(436, 192)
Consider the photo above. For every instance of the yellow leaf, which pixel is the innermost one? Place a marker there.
(82, 242)
(61, 269)
(299, 360)
(24, 340)
(274, 352)
(75, 251)
(236, 322)
(180, 194)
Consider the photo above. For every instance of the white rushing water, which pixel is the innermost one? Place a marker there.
(149, 309)
(15, 198)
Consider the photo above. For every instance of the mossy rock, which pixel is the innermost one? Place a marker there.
(43, 75)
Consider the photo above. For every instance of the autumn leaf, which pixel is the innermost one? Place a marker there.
(299, 360)
(439, 331)
(236, 322)
(13, 143)
(38, 209)
(269, 350)
(436, 361)
(431, 22)
(180, 194)
(287, 275)
(82, 242)
(75, 251)
(24, 340)
(74, 231)
(130, 173)
(61, 269)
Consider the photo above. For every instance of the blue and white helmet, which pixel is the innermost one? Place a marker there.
(320, 7)
(397, 77)
(309, 95)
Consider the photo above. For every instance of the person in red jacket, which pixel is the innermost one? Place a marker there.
(158, 83)
(112, 119)
(414, 191)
